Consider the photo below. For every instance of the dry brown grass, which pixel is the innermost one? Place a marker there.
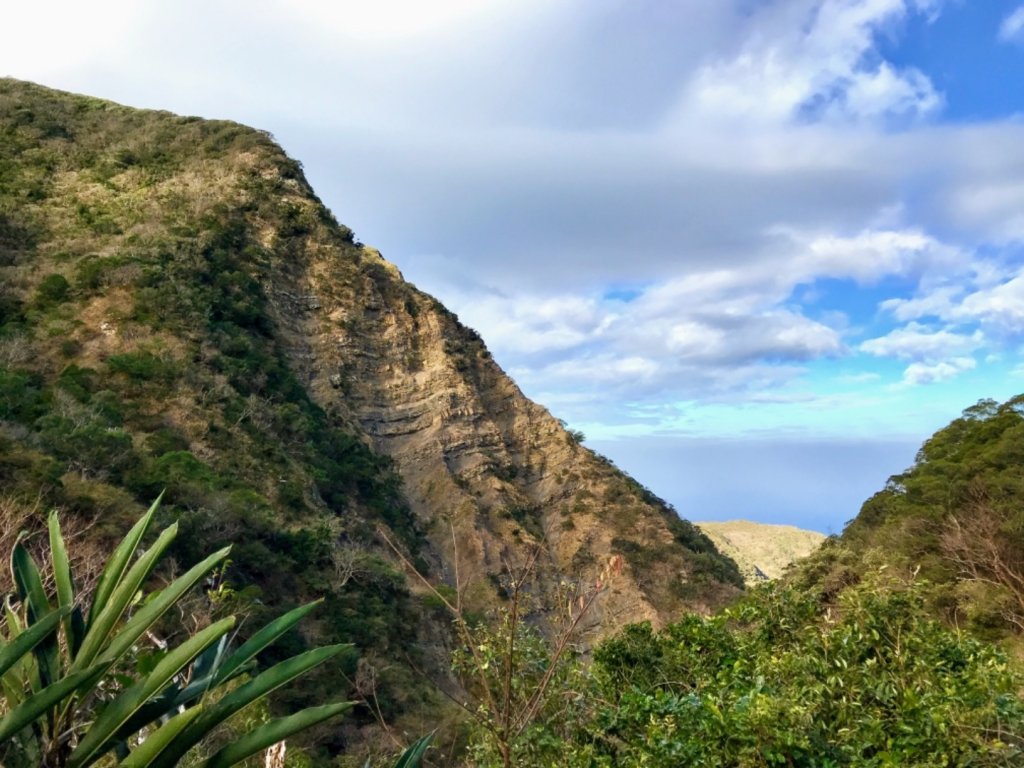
(27, 521)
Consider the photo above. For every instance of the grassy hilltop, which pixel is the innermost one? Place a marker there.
(762, 551)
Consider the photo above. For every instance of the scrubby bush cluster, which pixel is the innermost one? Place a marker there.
(780, 680)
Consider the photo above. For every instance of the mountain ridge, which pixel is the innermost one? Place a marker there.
(179, 310)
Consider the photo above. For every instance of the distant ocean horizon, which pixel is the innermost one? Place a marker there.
(816, 484)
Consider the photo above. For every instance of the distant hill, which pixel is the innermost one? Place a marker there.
(762, 551)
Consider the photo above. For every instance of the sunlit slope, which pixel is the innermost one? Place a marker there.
(762, 551)
(954, 520)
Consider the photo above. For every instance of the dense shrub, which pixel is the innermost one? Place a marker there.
(779, 680)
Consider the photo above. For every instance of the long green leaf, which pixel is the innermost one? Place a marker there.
(273, 678)
(160, 706)
(210, 661)
(414, 754)
(155, 743)
(16, 679)
(119, 561)
(208, 671)
(101, 628)
(30, 589)
(62, 579)
(159, 604)
(173, 697)
(271, 733)
(11, 653)
(156, 607)
(13, 622)
(34, 706)
(261, 640)
(124, 706)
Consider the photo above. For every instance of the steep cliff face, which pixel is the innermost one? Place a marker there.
(186, 268)
(489, 473)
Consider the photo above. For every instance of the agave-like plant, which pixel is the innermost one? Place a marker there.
(69, 693)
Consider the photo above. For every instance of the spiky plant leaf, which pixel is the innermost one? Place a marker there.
(119, 561)
(30, 590)
(262, 639)
(158, 605)
(35, 706)
(270, 680)
(412, 756)
(12, 652)
(133, 698)
(144, 754)
(101, 629)
(65, 585)
(271, 733)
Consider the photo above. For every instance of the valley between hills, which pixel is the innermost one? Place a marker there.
(181, 315)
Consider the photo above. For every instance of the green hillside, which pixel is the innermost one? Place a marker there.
(138, 352)
(179, 312)
(955, 519)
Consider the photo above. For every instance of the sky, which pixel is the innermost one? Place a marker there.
(756, 250)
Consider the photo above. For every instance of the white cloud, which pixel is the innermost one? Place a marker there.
(633, 370)
(714, 330)
(813, 58)
(930, 8)
(992, 297)
(995, 204)
(74, 34)
(1012, 26)
(732, 158)
(937, 303)
(868, 256)
(1001, 306)
(859, 378)
(396, 21)
(530, 325)
(930, 373)
(884, 91)
(918, 342)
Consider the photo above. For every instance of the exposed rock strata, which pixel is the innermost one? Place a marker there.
(488, 472)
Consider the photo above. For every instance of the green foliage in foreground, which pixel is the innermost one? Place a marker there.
(76, 687)
(781, 680)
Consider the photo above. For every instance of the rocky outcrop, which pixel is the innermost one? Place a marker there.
(489, 474)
